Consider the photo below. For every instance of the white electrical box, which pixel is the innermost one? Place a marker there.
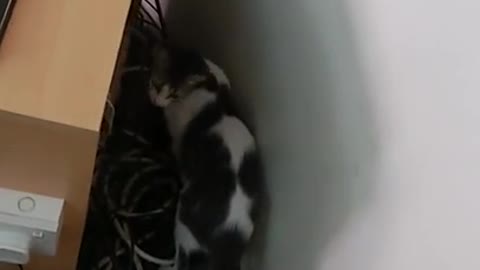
(29, 223)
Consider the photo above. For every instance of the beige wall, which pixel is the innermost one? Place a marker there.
(367, 115)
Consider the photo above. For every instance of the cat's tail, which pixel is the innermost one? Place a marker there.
(227, 250)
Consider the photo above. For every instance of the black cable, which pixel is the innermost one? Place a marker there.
(152, 5)
(140, 16)
(20, 266)
(161, 19)
(131, 247)
(107, 216)
(145, 12)
(147, 22)
(158, 9)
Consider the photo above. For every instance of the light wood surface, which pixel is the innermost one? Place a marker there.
(55, 160)
(57, 59)
(56, 65)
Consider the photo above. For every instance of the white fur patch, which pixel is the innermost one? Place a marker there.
(185, 239)
(160, 98)
(218, 73)
(239, 213)
(236, 138)
(239, 141)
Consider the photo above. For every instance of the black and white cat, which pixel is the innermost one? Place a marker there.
(221, 181)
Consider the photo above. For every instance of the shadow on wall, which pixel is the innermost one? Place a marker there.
(297, 79)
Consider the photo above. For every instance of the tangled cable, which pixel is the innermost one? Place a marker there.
(134, 192)
(122, 200)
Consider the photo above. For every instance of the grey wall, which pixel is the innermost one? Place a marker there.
(296, 79)
(367, 114)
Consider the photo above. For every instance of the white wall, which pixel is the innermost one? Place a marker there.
(368, 114)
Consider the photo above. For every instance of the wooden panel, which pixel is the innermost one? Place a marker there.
(55, 160)
(8, 267)
(57, 59)
(56, 66)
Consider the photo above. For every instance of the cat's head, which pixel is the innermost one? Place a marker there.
(175, 73)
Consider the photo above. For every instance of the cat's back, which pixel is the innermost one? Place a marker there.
(235, 137)
(215, 142)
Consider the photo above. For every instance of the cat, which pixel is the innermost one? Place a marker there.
(222, 185)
